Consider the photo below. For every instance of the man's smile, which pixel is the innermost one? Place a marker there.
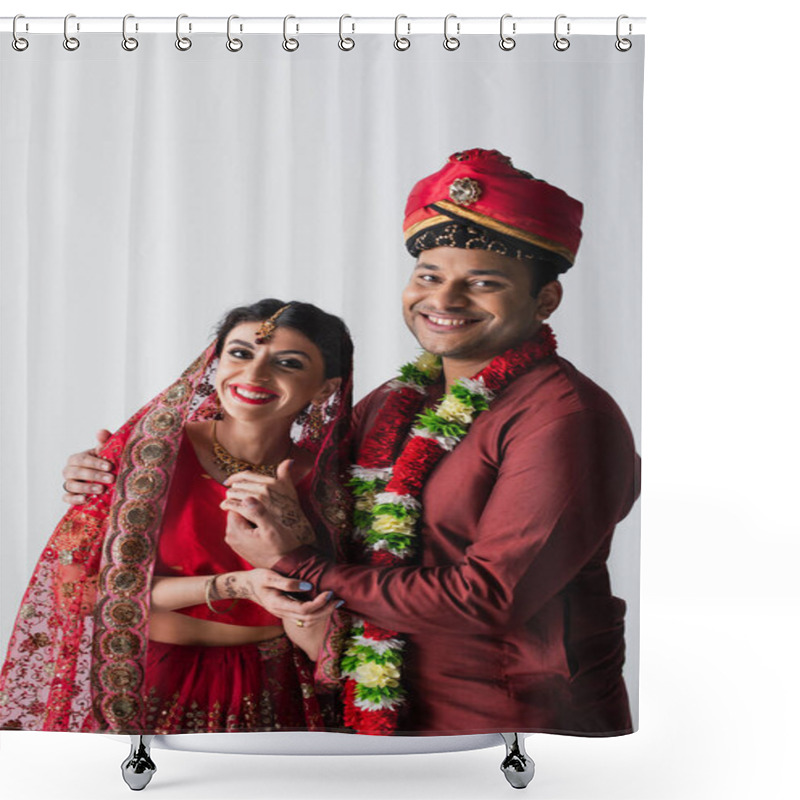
(446, 322)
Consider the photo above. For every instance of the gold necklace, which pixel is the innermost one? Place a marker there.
(230, 464)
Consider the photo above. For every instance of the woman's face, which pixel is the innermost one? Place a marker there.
(270, 381)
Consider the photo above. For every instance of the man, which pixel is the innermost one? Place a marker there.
(517, 481)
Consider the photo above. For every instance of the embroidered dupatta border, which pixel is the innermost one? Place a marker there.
(121, 616)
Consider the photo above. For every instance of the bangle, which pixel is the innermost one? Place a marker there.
(211, 585)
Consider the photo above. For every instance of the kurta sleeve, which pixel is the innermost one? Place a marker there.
(559, 492)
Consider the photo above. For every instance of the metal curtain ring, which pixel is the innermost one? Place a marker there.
(401, 42)
(507, 42)
(234, 45)
(182, 42)
(128, 42)
(345, 42)
(70, 42)
(18, 43)
(623, 45)
(561, 43)
(289, 44)
(451, 42)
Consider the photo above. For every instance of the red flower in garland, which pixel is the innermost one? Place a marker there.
(383, 558)
(379, 449)
(411, 472)
(379, 634)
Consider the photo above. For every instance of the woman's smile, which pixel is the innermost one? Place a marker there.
(251, 395)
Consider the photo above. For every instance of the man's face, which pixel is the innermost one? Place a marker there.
(471, 305)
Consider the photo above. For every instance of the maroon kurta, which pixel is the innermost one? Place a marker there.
(510, 619)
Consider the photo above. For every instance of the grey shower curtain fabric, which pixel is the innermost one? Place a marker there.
(474, 217)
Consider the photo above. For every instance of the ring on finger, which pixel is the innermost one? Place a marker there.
(299, 623)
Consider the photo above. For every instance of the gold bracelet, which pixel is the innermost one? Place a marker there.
(211, 584)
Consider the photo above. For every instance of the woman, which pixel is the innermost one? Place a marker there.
(139, 618)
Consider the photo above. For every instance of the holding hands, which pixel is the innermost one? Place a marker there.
(275, 593)
(265, 519)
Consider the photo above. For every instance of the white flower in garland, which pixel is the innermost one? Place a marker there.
(405, 500)
(383, 704)
(454, 409)
(386, 523)
(364, 474)
(380, 646)
(445, 442)
(477, 386)
(377, 676)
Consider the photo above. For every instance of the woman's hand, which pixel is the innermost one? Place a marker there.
(303, 621)
(172, 592)
(293, 611)
(265, 520)
(85, 474)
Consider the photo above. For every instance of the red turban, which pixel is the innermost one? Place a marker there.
(484, 189)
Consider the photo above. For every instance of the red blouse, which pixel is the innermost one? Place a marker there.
(192, 540)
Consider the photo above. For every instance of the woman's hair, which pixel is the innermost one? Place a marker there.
(326, 331)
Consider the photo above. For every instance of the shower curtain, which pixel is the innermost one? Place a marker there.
(145, 191)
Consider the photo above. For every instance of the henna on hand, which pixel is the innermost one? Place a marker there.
(233, 588)
(291, 516)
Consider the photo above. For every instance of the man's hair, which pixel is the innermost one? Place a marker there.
(544, 272)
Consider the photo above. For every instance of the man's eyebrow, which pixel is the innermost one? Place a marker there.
(497, 272)
(483, 271)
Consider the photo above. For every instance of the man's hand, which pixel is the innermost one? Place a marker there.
(85, 474)
(302, 613)
(265, 520)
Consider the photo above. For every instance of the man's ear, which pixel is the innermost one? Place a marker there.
(328, 388)
(548, 300)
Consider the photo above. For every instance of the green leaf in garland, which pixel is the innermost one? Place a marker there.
(375, 694)
(411, 373)
(396, 542)
(477, 401)
(433, 423)
(394, 510)
(363, 486)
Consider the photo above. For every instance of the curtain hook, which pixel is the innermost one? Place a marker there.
(623, 45)
(401, 42)
(128, 42)
(183, 43)
(234, 45)
(561, 43)
(289, 44)
(451, 42)
(70, 42)
(18, 43)
(345, 42)
(507, 42)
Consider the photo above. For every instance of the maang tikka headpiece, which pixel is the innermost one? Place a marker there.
(267, 328)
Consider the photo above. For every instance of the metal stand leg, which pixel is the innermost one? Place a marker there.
(138, 768)
(517, 766)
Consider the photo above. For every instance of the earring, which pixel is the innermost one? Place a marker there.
(315, 422)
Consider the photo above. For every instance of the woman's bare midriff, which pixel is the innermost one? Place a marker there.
(170, 627)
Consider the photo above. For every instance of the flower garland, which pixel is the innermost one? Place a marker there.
(388, 507)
